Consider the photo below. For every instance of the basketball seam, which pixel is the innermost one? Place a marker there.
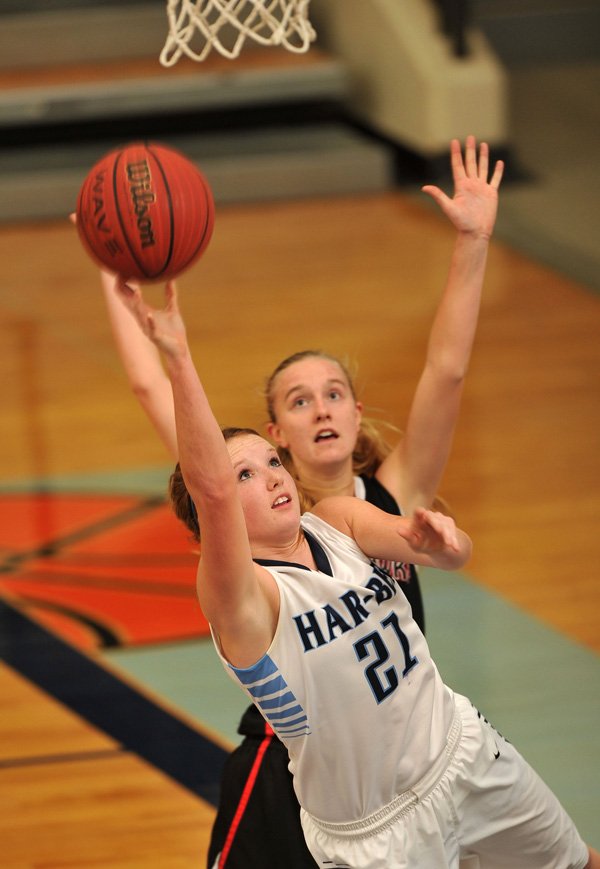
(207, 222)
(171, 213)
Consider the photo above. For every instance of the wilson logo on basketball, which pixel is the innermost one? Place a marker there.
(142, 196)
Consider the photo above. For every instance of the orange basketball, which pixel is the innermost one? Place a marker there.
(145, 211)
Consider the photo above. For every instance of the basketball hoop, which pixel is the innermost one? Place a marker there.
(197, 26)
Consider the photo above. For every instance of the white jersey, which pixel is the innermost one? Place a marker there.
(346, 648)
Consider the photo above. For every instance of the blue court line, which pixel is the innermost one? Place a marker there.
(106, 702)
(190, 675)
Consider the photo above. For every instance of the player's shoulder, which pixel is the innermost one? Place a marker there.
(331, 527)
(340, 511)
(333, 509)
(332, 502)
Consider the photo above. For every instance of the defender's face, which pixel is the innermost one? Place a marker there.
(317, 416)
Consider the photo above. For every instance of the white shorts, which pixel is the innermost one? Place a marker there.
(481, 799)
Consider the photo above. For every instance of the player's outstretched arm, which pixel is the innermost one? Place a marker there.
(413, 471)
(427, 537)
(141, 362)
(143, 367)
(198, 434)
(231, 596)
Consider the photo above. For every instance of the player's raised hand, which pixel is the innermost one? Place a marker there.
(474, 205)
(164, 327)
(430, 532)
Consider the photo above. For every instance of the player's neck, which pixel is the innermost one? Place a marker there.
(325, 484)
(296, 551)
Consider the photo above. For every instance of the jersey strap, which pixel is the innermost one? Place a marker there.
(377, 494)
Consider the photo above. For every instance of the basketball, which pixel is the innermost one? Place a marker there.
(145, 211)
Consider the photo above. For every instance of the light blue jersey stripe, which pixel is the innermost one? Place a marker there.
(272, 695)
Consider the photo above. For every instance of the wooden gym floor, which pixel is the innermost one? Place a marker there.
(114, 718)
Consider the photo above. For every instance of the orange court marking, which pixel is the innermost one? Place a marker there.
(100, 570)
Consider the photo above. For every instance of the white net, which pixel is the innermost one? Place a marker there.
(197, 26)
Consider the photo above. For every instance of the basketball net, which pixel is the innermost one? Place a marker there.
(197, 26)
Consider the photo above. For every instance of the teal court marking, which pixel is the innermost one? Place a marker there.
(190, 676)
(540, 689)
(143, 481)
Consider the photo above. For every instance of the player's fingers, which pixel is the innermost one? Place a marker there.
(151, 324)
(129, 288)
(73, 218)
(448, 532)
(484, 159)
(437, 194)
(456, 160)
(497, 176)
(120, 285)
(442, 525)
(471, 157)
(171, 295)
(129, 292)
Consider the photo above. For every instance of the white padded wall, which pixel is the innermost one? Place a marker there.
(406, 82)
